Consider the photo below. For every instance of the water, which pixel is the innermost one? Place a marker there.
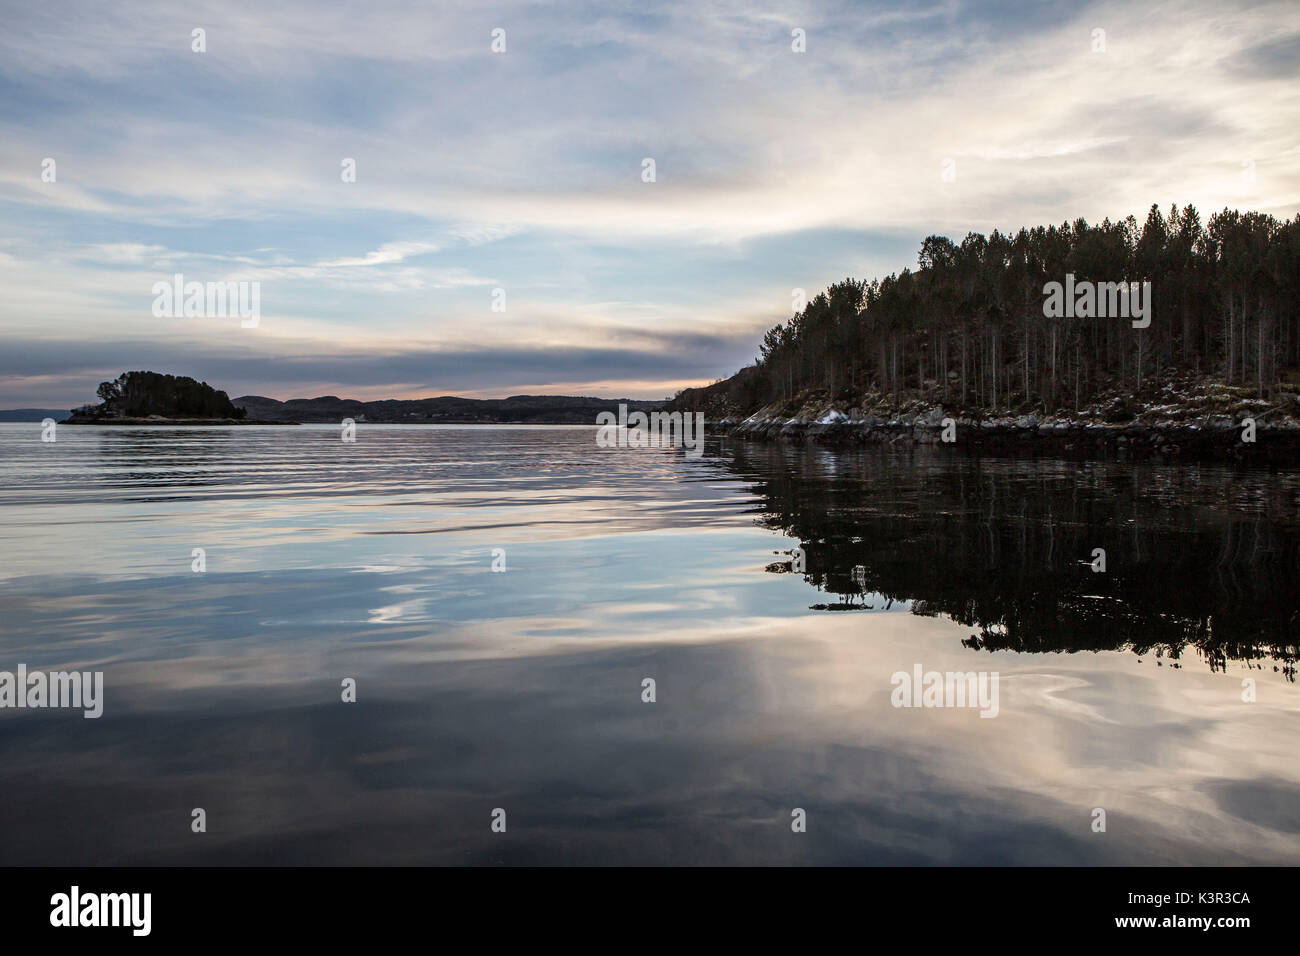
(522, 689)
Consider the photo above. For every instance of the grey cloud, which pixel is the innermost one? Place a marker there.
(70, 372)
(1276, 59)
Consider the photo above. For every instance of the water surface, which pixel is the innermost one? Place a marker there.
(770, 592)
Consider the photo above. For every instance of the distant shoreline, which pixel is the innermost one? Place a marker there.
(154, 420)
(222, 423)
(145, 398)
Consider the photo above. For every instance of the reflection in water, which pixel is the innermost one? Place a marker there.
(1196, 556)
(522, 689)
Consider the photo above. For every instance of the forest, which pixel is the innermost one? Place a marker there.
(967, 326)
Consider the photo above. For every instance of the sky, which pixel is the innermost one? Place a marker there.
(501, 237)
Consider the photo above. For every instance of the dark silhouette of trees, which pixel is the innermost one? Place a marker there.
(141, 394)
(967, 328)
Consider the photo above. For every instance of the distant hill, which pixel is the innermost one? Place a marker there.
(33, 414)
(447, 409)
(153, 398)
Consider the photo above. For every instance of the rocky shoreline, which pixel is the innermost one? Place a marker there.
(1218, 438)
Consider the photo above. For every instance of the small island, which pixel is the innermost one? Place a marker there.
(151, 398)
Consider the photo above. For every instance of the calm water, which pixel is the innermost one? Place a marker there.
(522, 689)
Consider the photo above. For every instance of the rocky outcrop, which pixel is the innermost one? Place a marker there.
(1219, 437)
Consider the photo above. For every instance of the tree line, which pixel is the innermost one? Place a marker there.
(967, 327)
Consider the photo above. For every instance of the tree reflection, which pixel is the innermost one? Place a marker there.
(1201, 557)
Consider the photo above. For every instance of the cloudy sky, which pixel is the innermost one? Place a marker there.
(522, 171)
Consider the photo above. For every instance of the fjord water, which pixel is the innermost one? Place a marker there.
(522, 689)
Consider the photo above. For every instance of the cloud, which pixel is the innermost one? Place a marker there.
(389, 252)
(67, 371)
(522, 170)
